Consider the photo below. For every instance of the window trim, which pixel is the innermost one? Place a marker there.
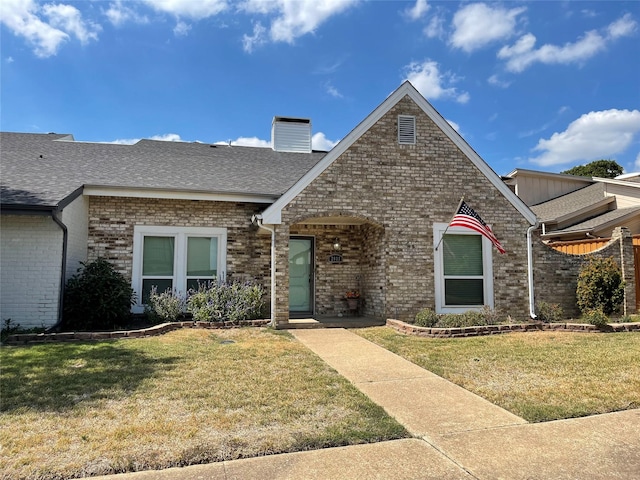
(487, 270)
(180, 234)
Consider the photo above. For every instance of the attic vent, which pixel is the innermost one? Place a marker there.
(406, 130)
(291, 134)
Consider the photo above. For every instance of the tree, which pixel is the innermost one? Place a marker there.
(597, 168)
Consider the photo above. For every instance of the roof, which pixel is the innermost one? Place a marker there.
(42, 170)
(570, 203)
(611, 217)
(273, 214)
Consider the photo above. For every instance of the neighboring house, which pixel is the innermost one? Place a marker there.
(308, 225)
(571, 208)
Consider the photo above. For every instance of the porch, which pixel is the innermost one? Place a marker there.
(322, 321)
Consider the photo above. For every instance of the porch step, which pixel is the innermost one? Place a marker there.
(345, 322)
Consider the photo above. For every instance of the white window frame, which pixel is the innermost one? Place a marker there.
(180, 234)
(487, 270)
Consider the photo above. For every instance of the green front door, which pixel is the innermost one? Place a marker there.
(301, 276)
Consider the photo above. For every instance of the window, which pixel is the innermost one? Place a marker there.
(177, 258)
(406, 130)
(463, 270)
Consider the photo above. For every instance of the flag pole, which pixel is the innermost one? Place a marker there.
(445, 230)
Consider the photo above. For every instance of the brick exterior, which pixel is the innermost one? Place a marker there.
(402, 190)
(111, 222)
(30, 275)
(556, 273)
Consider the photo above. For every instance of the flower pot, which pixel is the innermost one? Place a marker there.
(352, 303)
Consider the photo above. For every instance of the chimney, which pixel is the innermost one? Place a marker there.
(291, 134)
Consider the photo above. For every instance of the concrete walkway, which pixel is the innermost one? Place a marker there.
(458, 434)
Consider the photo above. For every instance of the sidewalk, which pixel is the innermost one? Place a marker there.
(458, 434)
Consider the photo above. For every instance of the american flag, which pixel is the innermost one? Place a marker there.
(467, 217)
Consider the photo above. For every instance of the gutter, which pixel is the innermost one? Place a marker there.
(532, 303)
(257, 220)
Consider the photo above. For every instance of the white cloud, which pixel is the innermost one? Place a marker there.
(193, 9)
(455, 126)
(477, 25)
(10, 60)
(428, 80)
(333, 91)
(69, 19)
(498, 82)
(181, 29)
(637, 164)
(25, 18)
(418, 10)
(167, 137)
(246, 142)
(295, 18)
(119, 14)
(522, 54)
(259, 37)
(593, 136)
(623, 27)
(435, 28)
(320, 142)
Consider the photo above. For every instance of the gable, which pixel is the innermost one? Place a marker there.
(273, 214)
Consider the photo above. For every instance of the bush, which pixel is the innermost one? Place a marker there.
(458, 320)
(97, 297)
(164, 307)
(596, 317)
(600, 286)
(233, 302)
(426, 318)
(549, 312)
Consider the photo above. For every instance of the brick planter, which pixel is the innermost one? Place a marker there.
(25, 338)
(433, 332)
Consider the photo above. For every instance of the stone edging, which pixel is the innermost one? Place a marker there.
(410, 329)
(24, 338)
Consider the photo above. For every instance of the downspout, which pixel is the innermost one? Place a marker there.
(532, 303)
(257, 219)
(63, 269)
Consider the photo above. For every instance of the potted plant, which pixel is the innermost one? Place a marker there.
(352, 297)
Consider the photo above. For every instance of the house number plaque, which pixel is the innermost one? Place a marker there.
(335, 258)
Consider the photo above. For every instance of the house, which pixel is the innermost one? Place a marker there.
(571, 208)
(309, 225)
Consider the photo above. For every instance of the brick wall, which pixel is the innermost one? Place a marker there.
(111, 222)
(556, 273)
(31, 257)
(404, 190)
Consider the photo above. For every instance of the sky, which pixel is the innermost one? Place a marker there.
(542, 85)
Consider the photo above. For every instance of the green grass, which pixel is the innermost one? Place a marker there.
(191, 396)
(539, 376)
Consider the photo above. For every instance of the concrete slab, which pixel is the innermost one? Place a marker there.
(432, 407)
(401, 460)
(426, 404)
(598, 447)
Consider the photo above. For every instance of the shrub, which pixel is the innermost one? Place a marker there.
(596, 317)
(600, 285)
(549, 312)
(219, 301)
(458, 320)
(166, 306)
(426, 318)
(97, 297)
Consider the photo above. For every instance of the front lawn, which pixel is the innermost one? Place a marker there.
(190, 396)
(539, 376)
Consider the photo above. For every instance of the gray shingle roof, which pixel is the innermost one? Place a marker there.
(37, 170)
(599, 221)
(571, 202)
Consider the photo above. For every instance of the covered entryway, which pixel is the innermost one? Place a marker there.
(331, 258)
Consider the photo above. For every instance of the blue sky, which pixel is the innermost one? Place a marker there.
(539, 85)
